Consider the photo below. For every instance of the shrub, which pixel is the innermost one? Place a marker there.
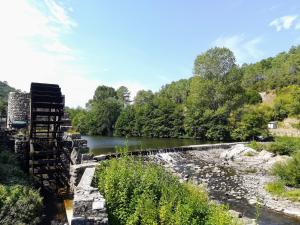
(256, 145)
(278, 188)
(139, 192)
(289, 172)
(284, 145)
(19, 205)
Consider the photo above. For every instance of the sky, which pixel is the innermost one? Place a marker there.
(141, 44)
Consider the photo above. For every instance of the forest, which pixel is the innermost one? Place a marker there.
(220, 102)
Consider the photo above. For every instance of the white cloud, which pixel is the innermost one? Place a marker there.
(60, 14)
(284, 22)
(244, 50)
(32, 50)
(297, 27)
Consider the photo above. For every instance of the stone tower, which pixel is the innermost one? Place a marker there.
(18, 108)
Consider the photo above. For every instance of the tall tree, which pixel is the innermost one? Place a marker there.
(103, 92)
(214, 62)
(123, 95)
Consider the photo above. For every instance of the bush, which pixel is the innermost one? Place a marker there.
(284, 145)
(19, 205)
(278, 188)
(138, 192)
(256, 145)
(289, 172)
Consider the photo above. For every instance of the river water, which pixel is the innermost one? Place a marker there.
(102, 145)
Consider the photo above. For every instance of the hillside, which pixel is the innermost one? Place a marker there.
(273, 72)
(4, 90)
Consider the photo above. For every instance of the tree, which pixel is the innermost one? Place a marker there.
(143, 97)
(104, 92)
(123, 95)
(213, 95)
(125, 124)
(102, 116)
(253, 123)
(214, 62)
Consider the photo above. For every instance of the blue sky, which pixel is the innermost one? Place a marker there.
(140, 44)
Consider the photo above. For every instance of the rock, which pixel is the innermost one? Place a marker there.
(237, 151)
(265, 155)
(252, 201)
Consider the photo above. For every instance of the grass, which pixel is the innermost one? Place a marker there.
(279, 189)
(289, 171)
(249, 154)
(138, 192)
(256, 146)
(284, 145)
(250, 170)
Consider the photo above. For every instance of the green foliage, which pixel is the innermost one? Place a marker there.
(19, 205)
(214, 62)
(256, 145)
(123, 95)
(210, 102)
(4, 90)
(273, 73)
(252, 122)
(151, 116)
(221, 102)
(284, 145)
(138, 192)
(278, 188)
(252, 97)
(19, 202)
(289, 172)
(287, 101)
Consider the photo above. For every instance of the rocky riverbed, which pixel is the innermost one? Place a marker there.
(236, 177)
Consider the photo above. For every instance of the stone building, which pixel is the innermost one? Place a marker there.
(18, 110)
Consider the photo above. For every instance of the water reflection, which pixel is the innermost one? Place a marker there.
(101, 145)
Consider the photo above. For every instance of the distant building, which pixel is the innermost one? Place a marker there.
(272, 125)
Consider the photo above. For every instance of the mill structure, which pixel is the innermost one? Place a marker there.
(38, 120)
(48, 159)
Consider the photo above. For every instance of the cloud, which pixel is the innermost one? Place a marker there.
(284, 22)
(297, 27)
(32, 49)
(245, 50)
(60, 14)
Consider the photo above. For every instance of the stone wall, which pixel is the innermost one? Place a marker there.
(22, 151)
(18, 107)
(88, 204)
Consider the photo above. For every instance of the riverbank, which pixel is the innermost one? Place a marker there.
(237, 177)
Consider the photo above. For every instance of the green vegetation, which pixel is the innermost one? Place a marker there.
(4, 90)
(256, 146)
(139, 192)
(279, 189)
(220, 102)
(274, 72)
(289, 172)
(284, 145)
(19, 202)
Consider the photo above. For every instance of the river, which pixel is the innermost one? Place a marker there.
(102, 145)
